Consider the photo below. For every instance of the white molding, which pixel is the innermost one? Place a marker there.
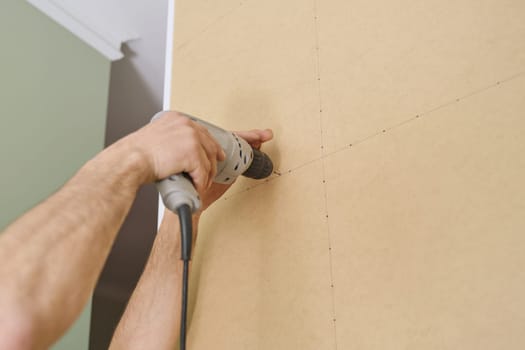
(170, 28)
(102, 42)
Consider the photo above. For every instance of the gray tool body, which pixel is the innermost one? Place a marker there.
(241, 159)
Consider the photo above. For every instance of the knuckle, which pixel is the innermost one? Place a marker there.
(193, 143)
(194, 134)
(199, 163)
(200, 127)
(213, 151)
(182, 119)
(206, 132)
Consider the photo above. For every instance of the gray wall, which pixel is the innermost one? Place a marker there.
(53, 100)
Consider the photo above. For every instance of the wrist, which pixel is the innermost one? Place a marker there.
(135, 164)
(119, 165)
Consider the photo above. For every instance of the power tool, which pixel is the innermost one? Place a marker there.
(180, 196)
(241, 159)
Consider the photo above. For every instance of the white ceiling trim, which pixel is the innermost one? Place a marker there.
(91, 21)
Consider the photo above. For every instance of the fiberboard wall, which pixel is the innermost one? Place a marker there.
(399, 219)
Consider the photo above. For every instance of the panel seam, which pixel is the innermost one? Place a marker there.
(325, 190)
(383, 131)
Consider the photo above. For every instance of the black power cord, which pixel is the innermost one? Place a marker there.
(186, 231)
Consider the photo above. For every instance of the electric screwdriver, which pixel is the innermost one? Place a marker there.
(241, 159)
(180, 196)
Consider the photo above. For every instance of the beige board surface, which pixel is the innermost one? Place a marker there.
(428, 247)
(399, 220)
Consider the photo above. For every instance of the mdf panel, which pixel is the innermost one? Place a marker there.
(383, 62)
(427, 226)
(260, 279)
(195, 18)
(255, 69)
(396, 218)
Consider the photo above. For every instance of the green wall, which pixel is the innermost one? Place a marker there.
(53, 100)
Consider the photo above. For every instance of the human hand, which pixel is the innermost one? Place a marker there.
(255, 138)
(173, 144)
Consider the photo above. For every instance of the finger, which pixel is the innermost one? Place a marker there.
(267, 135)
(249, 135)
(207, 168)
(212, 147)
(256, 137)
(201, 171)
(213, 171)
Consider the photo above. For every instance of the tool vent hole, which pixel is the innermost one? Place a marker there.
(227, 179)
(245, 159)
(236, 167)
(240, 153)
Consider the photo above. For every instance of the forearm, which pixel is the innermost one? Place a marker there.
(52, 256)
(152, 316)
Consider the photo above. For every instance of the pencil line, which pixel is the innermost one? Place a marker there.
(385, 130)
(323, 155)
(210, 25)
